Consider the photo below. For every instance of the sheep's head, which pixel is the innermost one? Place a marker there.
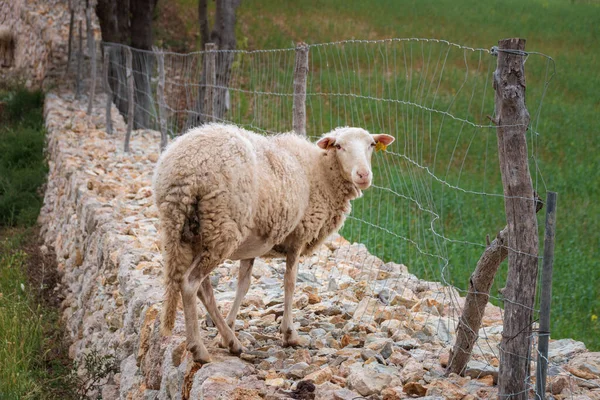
(353, 148)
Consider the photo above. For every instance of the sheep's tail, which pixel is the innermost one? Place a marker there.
(177, 257)
(169, 309)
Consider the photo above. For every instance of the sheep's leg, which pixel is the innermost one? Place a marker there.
(205, 293)
(290, 336)
(244, 277)
(190, 310)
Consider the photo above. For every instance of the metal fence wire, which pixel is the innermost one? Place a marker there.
(437, 192)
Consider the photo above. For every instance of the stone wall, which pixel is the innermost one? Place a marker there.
(41, 30)
(371, 328)
(109, 278)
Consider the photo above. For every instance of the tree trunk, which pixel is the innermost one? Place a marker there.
(106, 10)
(203, 22)
(114, 25)
(123, 21)
(141, 38)
(141, 24)
(223, 35)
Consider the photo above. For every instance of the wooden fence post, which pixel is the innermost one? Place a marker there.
(107, 89)
(300, 75)
(79, 61)
(210, 63)
(519, 294)
(130, 97)
(92, 50)
(160, 56)
(546, 296)
(476, 300)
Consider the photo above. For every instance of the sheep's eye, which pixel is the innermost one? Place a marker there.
(373, 144)
(337, 146)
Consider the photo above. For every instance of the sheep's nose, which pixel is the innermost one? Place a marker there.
(364, 174)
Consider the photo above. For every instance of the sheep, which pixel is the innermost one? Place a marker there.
(6, 47)
(223, 192)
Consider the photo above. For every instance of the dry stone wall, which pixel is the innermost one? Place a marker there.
(40, 29)
(372, 329)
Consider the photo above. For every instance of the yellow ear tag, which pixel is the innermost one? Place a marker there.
(380, 146)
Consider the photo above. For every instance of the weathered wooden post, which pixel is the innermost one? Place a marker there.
(300, 75)
(107, 89)
(160, 56)
(546, 296)
(129, 74)
(79, 61)
(210, 63)
(476, 300)
(519, 202)
(92, 50)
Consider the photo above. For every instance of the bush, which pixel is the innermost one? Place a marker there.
(24, 107)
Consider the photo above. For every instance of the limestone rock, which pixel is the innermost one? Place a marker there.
(345, 394)
(477, 369)
(564, 349)
(445, 389)
(320, 376)
(371, 379)
(393, 393)
(415, 389)
(585, 366)
(556, 385)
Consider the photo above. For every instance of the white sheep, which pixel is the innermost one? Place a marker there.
(6, 47)
(226, 193)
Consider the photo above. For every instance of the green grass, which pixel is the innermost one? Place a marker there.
(21, 325)
(31, 364)
(566, 149)
(22, 166)
(33, 359)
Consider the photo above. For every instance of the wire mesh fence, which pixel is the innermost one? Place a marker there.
(437, 192)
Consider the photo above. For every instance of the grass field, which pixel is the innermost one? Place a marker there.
(33, 358)
(567, 148)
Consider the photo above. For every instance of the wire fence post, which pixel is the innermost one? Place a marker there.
(512, 119)
(107, 90)
(92, 50)
(79, 61)
(130, 102)
(210, 63)
(300, 75)
(160, 92)
(546, 296)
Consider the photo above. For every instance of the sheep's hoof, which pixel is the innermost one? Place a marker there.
(202, 361)
(292, 339)
(235, 347)
(199, 354)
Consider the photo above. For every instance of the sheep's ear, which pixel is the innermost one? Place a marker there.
(384, 139)
(326, 142)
